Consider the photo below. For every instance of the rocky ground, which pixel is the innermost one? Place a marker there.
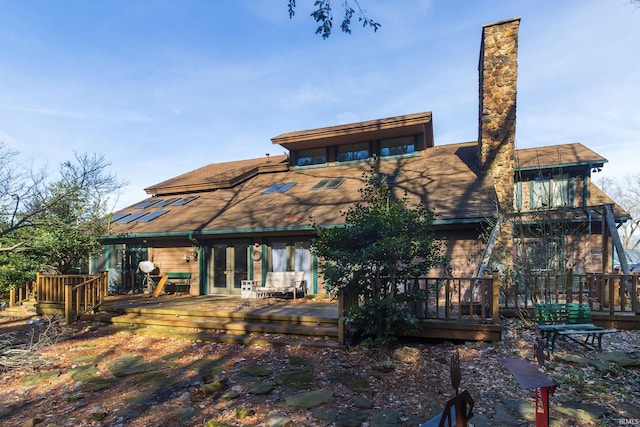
(93, 375)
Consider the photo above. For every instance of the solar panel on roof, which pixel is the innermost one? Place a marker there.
(384, 178)
(335, 183)
(279, 187)
(153, 215)
(147, 203)
(181, 202)
(328, 183)
(321, 184)
(133, 217)
(118, 216)
(167, 202)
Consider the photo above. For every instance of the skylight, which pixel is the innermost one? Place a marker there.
(118, 216)
(279, 188)
(328, 184)
(147, 203)
(133, 217)
(184, 201)
(167, 202)
(153, 215)
(384, 178)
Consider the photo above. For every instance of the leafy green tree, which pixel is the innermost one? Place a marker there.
(383, 245)
(323, 15)
(51, 225)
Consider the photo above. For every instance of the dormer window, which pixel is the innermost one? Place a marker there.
(352, 152)
(397, 146)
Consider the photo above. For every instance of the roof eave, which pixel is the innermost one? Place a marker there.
(368, 130)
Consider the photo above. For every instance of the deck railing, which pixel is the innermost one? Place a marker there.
(454, 298)
(474, 300)
(20, 293)
(73, 294)
(611, 293)
(469, 299)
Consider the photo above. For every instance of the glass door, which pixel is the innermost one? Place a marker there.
(228, 267)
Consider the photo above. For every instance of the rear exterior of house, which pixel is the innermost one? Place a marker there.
(234, 221)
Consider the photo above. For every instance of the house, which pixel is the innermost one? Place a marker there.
(227, 222)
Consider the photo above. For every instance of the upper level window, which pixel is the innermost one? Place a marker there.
(397, 146)
(347, 153)
(551, 193)
(314, 156)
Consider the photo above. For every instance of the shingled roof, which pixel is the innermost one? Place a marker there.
(229, 198)
(445, 178)
(557, 156)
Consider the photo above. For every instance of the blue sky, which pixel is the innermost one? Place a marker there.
(163, 87)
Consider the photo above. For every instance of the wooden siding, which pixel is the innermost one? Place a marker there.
(171, 260)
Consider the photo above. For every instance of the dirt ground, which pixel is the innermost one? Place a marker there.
(94, 375)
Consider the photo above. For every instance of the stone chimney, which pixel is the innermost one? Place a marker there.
(498, 70)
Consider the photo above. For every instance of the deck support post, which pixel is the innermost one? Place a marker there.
(495, 297)
(341, 325)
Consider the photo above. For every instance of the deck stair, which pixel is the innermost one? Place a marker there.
(488, 250)
(240, 325)
(25, 309)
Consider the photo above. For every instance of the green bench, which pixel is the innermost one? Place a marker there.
(568, 320)
(177, 280)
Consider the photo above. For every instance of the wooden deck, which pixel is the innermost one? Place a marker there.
(438, 304)
(243, 318)
(232, 318)
(212, 304)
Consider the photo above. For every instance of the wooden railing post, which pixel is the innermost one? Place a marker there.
(12, 296)
(612, 295)
(496, 283)
(39, 295)
(568, 286)
(68, 303)
(622, 292)
(104, 288)
(634, 294)
(341, 322)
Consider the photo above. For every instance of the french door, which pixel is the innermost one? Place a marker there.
(228, 266)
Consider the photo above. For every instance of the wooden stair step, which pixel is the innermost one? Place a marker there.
(310, 321)
(236, 327)
(230, 339)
